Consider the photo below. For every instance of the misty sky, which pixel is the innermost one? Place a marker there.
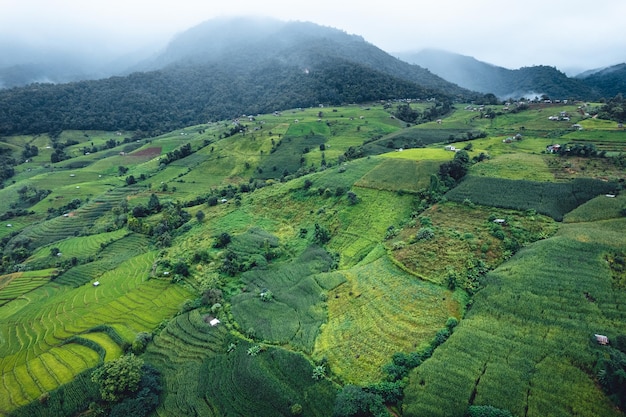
(561, 33)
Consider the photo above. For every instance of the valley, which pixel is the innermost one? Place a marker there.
(347, 271)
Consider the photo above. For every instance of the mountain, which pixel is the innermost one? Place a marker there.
(222, 69)
(479, 76)
(606, 82)
(252, 41)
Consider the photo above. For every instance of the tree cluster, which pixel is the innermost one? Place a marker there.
(614, 109)
(161, 101)
(453, 171)
(612, 371)
(129, 387)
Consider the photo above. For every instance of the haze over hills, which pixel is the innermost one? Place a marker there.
(22, 63)
(257, 41)
(606, 81)
(227, 67)
(476, 75)
(211, 73)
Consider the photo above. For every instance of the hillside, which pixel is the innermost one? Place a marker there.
(606, 82)
(218, 70)
(479, 76)
(355, 266)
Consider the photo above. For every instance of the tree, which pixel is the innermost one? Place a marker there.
(200, 216)
(130, 180)
(352, 198)
(322, 235)
(154, 205)
(407, 114)
(319, 372)
(353, 401)
(452, 171)
(222, 240)
(140, 211)
(118, 378)
(267, 295)
(180, 268)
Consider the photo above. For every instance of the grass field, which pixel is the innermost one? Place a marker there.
(378, 311)
(527, 343)
(551, 199)
(515, 166)
(464, 236)
(384, 278)
(34, 331)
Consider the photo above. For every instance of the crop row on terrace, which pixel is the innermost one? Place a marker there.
(178, 351)
(21, 283)
(295, 312)
(551, 199)
(80, 247)
(267, 384)
(70, 224)
(527, 343)
(359, 227)
(54, 314)
(599, 208)
(515, 166)
(378, 311)
(400, 175)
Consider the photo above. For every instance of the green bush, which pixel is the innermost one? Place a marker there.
(487, 411)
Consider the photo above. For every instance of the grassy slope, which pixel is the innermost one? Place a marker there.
(527, 343)
(366, 316)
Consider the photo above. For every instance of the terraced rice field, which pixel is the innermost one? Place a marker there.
(33, 338)
(179, 350)
(378, 311)
(17, 284)
(527, 343)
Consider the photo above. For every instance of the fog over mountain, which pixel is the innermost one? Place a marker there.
(23, 63)
(565, 36)
(240, 42)
(470, 73)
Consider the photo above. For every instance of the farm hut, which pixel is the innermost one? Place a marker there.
(601, 339)
(450, 148)
(214, 322)
(499, 221)
(95, 284)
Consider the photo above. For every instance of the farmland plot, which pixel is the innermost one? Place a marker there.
(378, 311)
(551, 199)
(527, 343)
(34, 333)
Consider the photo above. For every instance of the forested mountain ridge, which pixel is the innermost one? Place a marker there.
(300, 44)
(607, 82)
(200, 78)
(476, 75)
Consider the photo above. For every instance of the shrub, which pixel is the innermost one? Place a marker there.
(222, 240)
(354, 401)
(425, 233)
(118, 378)
(487, 411)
